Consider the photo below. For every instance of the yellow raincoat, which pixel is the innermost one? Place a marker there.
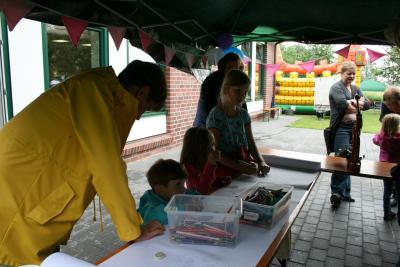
(55, 155)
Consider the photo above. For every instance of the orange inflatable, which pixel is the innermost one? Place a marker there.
(318, 69)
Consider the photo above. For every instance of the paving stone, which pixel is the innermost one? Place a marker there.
(298, 256)
(339, 232)
(311, 220)
(338, 242)
(340, 225)
(314, 263)
(298, 222)
(335, 252)
(309, 227)
(388, 246)
(350, 261)
(317, 207)
(296, 229)
(306, 236)
(323, 234)
(355, 231)
(302, 245)
(370, 230)
(389, 257)
(371, 259)
(325, 226)
(354, 240)
(318, 254)
(320, 243)
(370, 238)
(314, 213)
(369, 248)
(334, 262)
(354, 250)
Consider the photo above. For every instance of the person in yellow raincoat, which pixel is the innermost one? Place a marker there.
(65, 147)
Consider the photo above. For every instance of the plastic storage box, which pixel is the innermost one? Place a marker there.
(261, 214)
(199, 219)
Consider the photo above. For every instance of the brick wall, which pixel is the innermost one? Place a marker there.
(181, 106)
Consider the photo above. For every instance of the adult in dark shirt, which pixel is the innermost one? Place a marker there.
(343, 112)
(211, 86)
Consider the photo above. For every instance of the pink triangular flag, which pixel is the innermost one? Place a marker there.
(189, 59)
(344, 52)
(374, 55)
(75, 28)
(272, 68)
(145, 39)
(14, 11)
(169, 54)
(117, 34)
(308, 66)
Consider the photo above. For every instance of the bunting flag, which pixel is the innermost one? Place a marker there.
(374, 55)
(272, 68)
(145, 39)
(344, 52)
(169, 54)
(75, 28)
(308, 66)
(189, 59)
(117, 34)
(14, 10)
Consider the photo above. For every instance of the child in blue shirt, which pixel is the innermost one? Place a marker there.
(166, 178)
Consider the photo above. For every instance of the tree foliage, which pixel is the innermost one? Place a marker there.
(391, 69)
(300, 52)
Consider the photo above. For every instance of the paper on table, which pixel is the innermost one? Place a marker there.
(63, 260)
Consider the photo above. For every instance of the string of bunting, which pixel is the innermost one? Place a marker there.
(309, 65)
(15, 10)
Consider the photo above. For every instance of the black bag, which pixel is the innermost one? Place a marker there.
(329, 136)
(330, 132)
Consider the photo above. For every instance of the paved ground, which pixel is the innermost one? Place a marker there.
(353, 235)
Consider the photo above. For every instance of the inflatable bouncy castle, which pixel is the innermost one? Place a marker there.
(295, 89)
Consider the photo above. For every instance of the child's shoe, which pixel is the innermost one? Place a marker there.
(389, 216)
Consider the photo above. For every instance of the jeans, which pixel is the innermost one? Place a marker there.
(340, 183)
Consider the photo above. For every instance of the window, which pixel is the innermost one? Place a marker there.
(64, 60)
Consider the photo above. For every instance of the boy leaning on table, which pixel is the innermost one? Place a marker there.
(166, 177)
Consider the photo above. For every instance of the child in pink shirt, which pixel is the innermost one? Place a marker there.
(389, 141)
(200, 160)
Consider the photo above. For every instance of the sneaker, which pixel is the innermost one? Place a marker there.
(348, 199)
(389, 216)
(335, 201)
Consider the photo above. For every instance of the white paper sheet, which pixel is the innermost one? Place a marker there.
(63, 260)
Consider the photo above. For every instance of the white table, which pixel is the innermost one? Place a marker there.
(256, 246)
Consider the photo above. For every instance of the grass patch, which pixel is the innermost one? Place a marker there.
(371, 122)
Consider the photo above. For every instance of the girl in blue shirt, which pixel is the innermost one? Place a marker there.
(231, 127)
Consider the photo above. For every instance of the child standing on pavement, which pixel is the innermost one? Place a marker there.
(231, 126)
(389, 141)
(200, 160)
(166, 178)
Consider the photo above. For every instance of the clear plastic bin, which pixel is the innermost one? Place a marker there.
(265, 215)
(199, 219)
